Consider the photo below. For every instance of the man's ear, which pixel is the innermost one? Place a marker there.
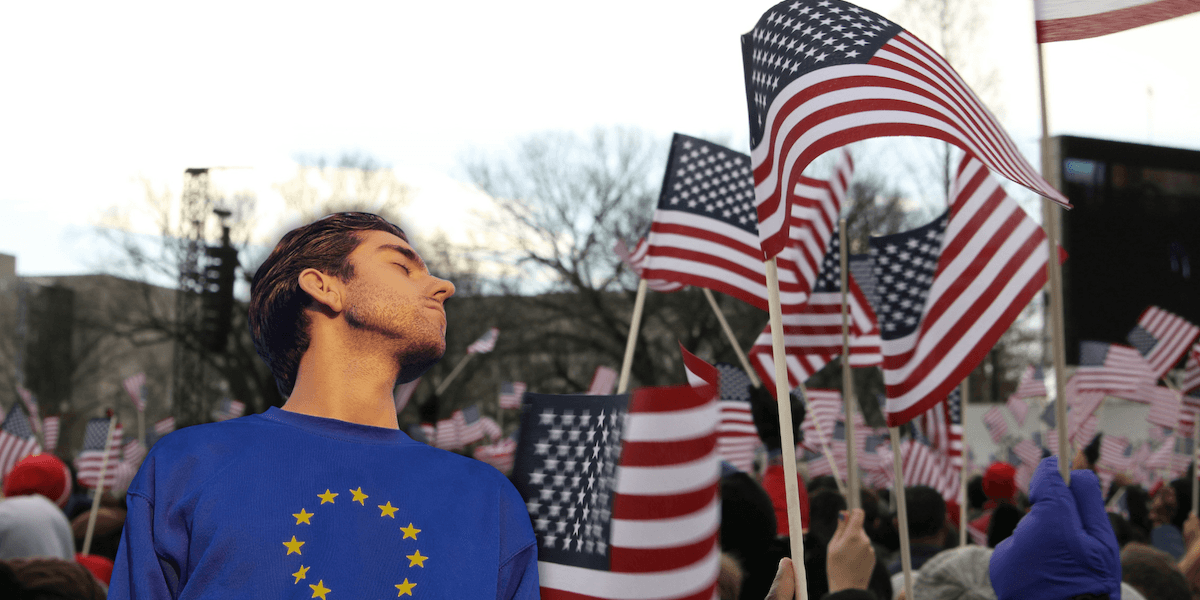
(324, 289)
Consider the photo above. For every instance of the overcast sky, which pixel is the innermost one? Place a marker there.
(98, 96)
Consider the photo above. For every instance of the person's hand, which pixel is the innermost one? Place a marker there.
(850, 558)
(1121, 480)
(1191, 527)
(784, 586)
(729, 578)
(1064, 547)
(1162, 507)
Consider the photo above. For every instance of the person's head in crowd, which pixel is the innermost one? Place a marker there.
(823, 508)
(1086, 457)
(1121, 528)
(1000, 482)
(1153, 573)
(957, 574)
(105, 536)
(747, 516)
(1137, 501)
(872, 512)
(975, 496)
(821, 482)
(926, 515)
(1183, 499)
(1004, 520)
(41, 474)
(48, 579)
(765, 411)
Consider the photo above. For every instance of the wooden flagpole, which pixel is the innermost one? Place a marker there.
(91, 526)
(732, 340)
(788, 442)
(1054, 276)
(901, 510)
(634, 323)
(962, 471)
(457, 368)
(853, 497)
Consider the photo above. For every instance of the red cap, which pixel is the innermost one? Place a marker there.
(1000, 481)
(99, 566)
(41, 474)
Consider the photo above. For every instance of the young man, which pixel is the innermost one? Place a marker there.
(327, 498)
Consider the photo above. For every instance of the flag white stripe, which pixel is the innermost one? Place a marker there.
(668, 480)
(632, 586)
(664, 533)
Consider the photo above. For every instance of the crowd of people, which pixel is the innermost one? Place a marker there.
(44, 518)
(1059, 541)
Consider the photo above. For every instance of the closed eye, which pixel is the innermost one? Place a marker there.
(406, 269)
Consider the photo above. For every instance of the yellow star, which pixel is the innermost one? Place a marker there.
(388, 510)
(405, 588)
(319, 589)
(302, 572)
(302, 517)
(293, 546)
(416, 559)
(328, 496)
(410, 532)
(359, 496)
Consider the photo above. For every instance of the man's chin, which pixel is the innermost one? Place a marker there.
(415, 363)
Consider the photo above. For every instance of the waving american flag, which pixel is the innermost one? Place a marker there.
(823, 74)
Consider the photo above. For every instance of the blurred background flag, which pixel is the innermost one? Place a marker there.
(486, 343)
(50, 428)
(135, 387)
(603, 381)
(228, 409)
(17, 439)
(737, 437)
(1065, 20)
(1162, 338)
(510, 394)
(88, 462)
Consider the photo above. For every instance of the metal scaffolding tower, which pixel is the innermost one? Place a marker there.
(189, 389)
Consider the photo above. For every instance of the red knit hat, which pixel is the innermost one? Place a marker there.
(41, 474)
(1000, 481)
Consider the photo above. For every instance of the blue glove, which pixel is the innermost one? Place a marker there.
(1064, 547)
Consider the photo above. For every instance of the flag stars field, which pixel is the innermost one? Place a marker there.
(303, 517)
(328, 496)
(300, 574)
(293, 546)
(405, 588)
(319, 590)
(415, 559)
(359, 496)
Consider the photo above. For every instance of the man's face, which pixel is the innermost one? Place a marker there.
(393, 296)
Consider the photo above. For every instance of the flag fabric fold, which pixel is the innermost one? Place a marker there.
(820, 75)
(1162, 337)
(737, 437)
(636, 260)
(950, 289)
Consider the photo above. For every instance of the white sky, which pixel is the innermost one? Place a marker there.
(96, 96)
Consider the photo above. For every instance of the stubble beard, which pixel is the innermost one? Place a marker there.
(400, 327)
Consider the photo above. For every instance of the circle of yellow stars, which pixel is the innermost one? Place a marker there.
(294, 546)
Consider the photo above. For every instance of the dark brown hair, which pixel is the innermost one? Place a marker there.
(279, 322)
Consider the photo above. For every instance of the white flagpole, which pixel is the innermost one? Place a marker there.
(902, 510)
(634, 323)
(1054, 277)
(962, 472)
(853, 497)
(91, 526)
(788, 442)
(732, 340)
(457, 368)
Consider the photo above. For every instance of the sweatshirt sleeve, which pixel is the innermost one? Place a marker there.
(518, 576)
(139, 571)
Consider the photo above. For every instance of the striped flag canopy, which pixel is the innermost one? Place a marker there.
(822, 74)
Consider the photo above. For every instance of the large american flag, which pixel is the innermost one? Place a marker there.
(1064, 20)
(636, 261)
(950, 289)
(737, 437)
(820, 75)
(1119, 370)
(90, 459)
(135, 386)
(486, 342)
(812, 333)
(622, 493)
(17, 439)
(510, 394)
(1162, 338)
(816, 205)
(704, 232)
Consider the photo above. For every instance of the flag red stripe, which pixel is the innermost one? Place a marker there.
(648, 560)
(1083, 27)
(659, 453)
(553, 594)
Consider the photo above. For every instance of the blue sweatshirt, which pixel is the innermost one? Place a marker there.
(284, 505)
